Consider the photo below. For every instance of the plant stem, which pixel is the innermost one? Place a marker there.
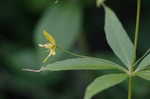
(137, 28)
(130, 87)
(71, 53)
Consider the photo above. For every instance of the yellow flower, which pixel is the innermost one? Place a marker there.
(51, 45)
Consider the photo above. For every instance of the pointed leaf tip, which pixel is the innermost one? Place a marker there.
(83, 64)
(117, 37)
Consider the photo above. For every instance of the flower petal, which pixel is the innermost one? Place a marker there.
(49, 37)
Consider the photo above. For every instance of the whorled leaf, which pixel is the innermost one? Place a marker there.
(144, 74)
(144, 63)
(103, 83)
(117, 37)
(82, 64)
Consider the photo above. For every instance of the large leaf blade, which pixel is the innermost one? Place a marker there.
(102, 83)
(117, 37)
(82, 64)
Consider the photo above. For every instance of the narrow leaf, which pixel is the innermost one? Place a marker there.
(144, 74)
(117, 37)
(82, 64)
(102, 83)
(144, 63)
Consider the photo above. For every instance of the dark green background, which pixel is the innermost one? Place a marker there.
(19, 21)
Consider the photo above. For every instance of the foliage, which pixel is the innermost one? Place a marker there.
(76, 27)
(121, 45)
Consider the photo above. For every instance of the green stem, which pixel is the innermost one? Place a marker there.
(135, 48)
(71, 53)
(137, 28)
(130, 87)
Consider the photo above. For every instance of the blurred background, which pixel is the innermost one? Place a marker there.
(78, 26)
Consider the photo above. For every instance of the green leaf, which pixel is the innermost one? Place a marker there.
(82, 64)
(117, 37)
(63, 22)
(102, 83)
(144, 63)
(144, 74)
(99, 2)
